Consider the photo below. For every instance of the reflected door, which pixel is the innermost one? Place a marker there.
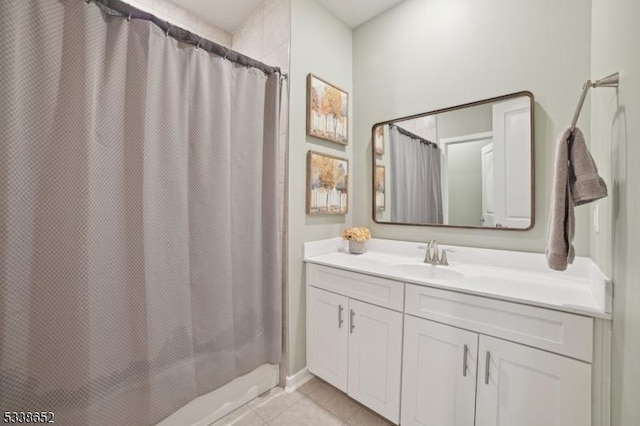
(512, 155)
(488, 193)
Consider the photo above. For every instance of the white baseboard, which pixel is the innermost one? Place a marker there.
(297, 380)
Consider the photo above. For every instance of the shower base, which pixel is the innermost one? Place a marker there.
(210, 407)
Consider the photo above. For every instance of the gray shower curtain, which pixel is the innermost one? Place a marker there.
(139, 240)
(415, 180)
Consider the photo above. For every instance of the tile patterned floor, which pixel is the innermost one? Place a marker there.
(316, 403)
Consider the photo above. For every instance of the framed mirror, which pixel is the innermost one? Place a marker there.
(467, 166)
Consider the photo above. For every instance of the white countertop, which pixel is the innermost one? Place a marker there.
(505, 275)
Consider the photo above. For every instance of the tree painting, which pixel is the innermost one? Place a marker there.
(327, 111)
(378, 140)
(379, 188)
(327, 184)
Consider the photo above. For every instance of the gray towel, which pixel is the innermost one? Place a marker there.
(575, 182)
(585, 183)
(561, 227)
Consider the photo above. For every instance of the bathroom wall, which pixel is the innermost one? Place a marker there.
(426, 127)
(465, 161)
(180, 17)
(615, 144)
(466, 121)
(465, 182)
(320, 44)
(425, 55)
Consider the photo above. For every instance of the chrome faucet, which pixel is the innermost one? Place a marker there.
(433, 256)
(433, 253)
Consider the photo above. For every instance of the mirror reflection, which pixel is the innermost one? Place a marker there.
(465, 166)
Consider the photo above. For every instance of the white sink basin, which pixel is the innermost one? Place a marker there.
(426, 271)
(507, 275)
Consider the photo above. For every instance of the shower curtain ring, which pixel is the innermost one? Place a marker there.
(129, 18)
(225, 54)
(197, 45)
(166, 34)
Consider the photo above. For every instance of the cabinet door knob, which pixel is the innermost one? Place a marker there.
(464, 361)
(486, 368)
(340, 320)
(351, 321)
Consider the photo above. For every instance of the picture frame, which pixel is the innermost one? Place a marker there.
(378, 140)
(327, 184)
(327, 111)
(379, 186)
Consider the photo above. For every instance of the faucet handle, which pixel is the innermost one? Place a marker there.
(427, 255)
(443, 257)
(434, 249)
(433, 253)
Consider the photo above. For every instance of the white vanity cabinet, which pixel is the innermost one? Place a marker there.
(523, 386)
(515, 384)
(352, 344)
(420, 355)
(328, 336)
(375, 358)
(452, 376)
(439, 374)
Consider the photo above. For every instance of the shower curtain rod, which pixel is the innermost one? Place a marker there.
(608, 81)
(413, 135)
(121, 9)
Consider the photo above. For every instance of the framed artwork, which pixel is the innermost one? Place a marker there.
(327, 183)
(378, 140)
(380, 190)
(327, 111)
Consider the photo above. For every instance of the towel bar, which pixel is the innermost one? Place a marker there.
(608, 81)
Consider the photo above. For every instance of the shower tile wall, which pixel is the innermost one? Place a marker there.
(265, 36)
(180, 17)
(425, 127)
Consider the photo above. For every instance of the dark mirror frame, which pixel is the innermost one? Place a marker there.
(439, 111)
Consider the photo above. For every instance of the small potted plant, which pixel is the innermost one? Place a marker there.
(357, 238)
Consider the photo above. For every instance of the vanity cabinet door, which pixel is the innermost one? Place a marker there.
(375, 357)
(522, 386)
(328, 336)
(439, 374)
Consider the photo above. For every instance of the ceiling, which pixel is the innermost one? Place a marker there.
(225, 14)
(229, 14)
(356, 12)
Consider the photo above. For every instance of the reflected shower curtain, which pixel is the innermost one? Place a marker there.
(415, 180)
(139, 247)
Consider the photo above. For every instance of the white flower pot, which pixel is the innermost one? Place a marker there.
(357, 247)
